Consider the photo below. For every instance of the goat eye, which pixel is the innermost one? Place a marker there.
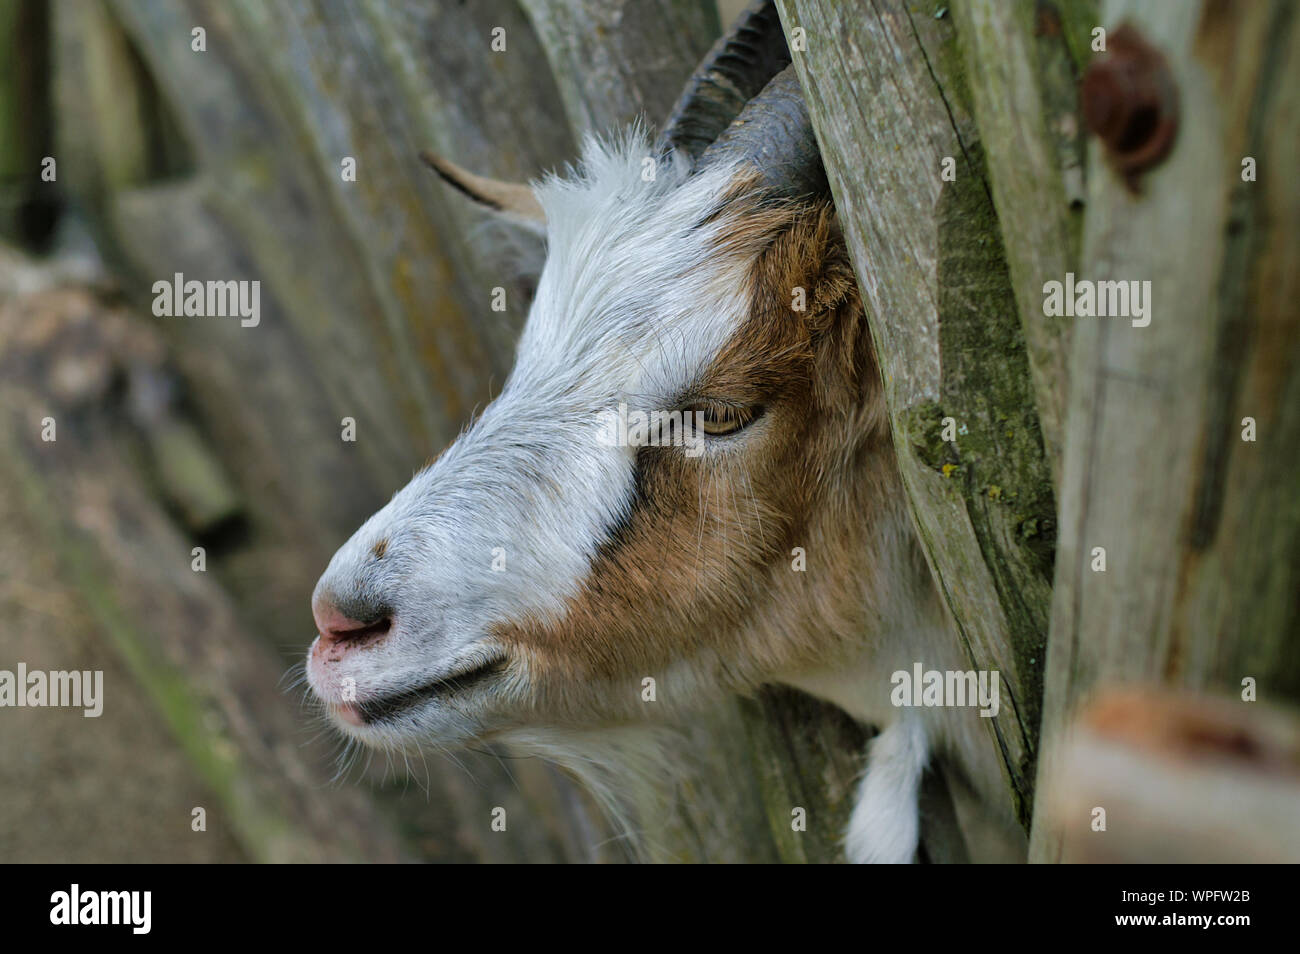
(718, 417)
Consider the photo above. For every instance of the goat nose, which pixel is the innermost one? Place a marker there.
(339, 630)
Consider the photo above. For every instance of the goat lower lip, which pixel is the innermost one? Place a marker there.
(385, 707)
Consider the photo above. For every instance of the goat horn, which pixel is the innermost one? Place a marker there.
(774, 134)
(512, 199)
(733, 73)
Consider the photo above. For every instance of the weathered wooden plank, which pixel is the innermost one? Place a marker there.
(891, 108)
(619, 60)
(1151, 776)
(1200, 526)
(1023, 82)
(283, 94)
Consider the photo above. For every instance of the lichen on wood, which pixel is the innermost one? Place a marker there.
(891, 107)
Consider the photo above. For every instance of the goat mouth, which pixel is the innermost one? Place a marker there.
(383, 708)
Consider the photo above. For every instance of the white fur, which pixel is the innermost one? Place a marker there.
(885, 823)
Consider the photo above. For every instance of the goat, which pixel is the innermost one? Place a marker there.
(615, 561)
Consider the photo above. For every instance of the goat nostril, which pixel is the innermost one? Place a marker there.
(361, 631)
(338, 628)
(351, 632)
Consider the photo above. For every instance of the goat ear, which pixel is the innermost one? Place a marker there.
(511, 200)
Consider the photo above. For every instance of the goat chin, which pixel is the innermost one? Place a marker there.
(621, 764)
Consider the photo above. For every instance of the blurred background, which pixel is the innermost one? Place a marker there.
(222, 156)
